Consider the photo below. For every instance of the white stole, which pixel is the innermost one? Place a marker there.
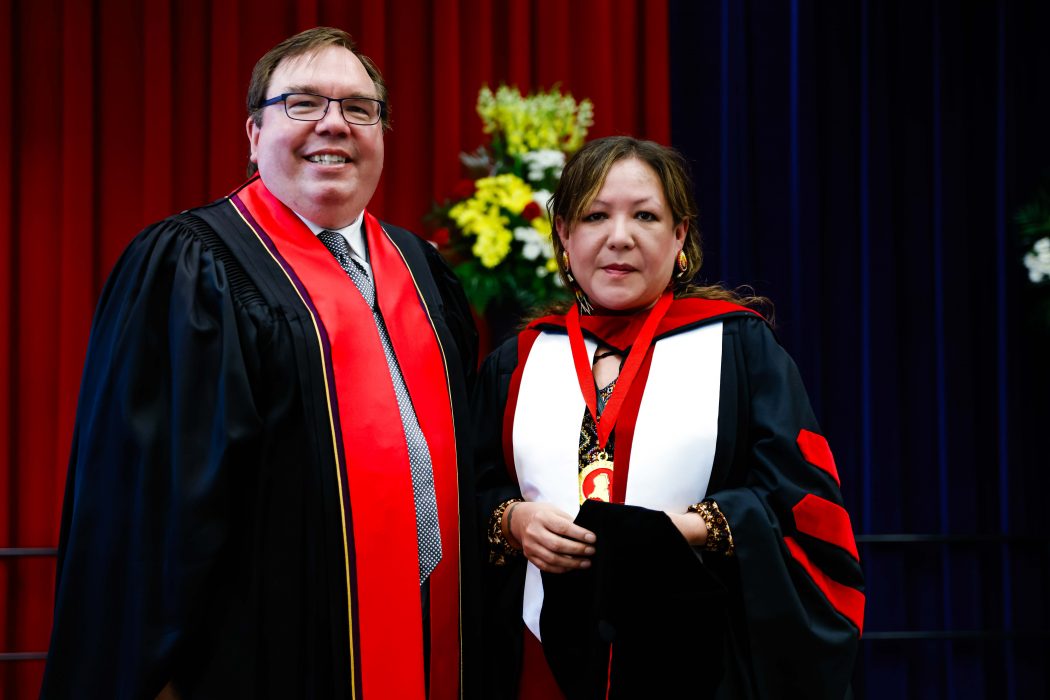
(674, 437)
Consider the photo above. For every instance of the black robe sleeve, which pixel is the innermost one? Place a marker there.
(799, 644)
(502, 585)
(488, 403)
(165, 408)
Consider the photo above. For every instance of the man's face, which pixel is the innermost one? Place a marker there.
(326, 171)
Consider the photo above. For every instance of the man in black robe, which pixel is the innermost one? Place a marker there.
(275, 382)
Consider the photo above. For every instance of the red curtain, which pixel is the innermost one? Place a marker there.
(121, 112)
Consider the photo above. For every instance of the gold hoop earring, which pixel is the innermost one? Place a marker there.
(565, 267)
(683, 262)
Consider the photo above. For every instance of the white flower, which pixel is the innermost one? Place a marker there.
(1038, 260)
(541, 197)
(539, 162)
(536, 244)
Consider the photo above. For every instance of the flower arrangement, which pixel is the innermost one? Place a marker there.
(1033, 221)
(493, 227)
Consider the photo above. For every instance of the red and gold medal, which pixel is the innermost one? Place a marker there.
(596, 478)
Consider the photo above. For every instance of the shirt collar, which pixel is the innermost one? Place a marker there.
(354, 234)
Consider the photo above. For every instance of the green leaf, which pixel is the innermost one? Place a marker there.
(1033, 219)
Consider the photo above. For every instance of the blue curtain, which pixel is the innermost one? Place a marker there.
(860, 162)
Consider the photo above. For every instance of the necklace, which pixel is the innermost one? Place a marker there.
(604, 423)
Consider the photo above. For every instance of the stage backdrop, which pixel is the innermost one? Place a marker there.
(861, 161)
(121, 112)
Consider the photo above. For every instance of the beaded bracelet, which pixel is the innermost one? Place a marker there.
(719, 537)
(500, 548)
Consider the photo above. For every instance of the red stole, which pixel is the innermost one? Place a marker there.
(620, 331)
(386, 638)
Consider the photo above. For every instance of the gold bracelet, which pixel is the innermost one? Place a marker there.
(500, 548)
(719, 537)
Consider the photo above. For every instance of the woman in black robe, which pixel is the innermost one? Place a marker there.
(663, 513)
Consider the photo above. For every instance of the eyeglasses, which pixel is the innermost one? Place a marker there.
(307, 107)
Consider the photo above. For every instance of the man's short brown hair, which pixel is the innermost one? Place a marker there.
(301, 44)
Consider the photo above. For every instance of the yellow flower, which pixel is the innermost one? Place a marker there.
(543, 120)
(492, 245)
(485, 217)
(507, 191)
(543, 225)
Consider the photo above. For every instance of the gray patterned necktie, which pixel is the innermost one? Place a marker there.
(428, 533)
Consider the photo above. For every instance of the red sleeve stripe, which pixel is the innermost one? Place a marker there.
(826, 521)
(849, 602)
(815, 450)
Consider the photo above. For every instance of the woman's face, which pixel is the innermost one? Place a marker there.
(622, 251)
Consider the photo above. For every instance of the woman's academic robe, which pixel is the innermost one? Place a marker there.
(780, 618)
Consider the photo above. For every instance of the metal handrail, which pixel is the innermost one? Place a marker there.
(872, 539)
(28, 551)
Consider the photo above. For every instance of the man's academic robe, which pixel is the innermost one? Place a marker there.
(781, 618)
(238, 516)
